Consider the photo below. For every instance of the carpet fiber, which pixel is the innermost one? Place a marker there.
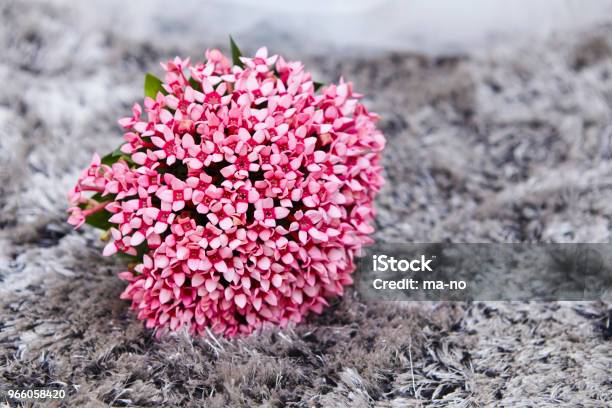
(514, 145)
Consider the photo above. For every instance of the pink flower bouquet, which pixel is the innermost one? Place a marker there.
(242, 193)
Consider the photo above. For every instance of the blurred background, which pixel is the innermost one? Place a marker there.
(430, 26)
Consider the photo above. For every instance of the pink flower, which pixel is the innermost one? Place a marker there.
(208, 200)
(118, 244)
(245, 198)
(267, 213)
(159, 219)
(174, 193)
(76, 218)
(240, 166)
(170, 147)
(261, 62)
(130, 122)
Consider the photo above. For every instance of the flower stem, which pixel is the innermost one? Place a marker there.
(96, 208)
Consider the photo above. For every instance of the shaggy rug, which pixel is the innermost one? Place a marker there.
(514, 146)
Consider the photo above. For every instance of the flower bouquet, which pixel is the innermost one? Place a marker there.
(241, 195)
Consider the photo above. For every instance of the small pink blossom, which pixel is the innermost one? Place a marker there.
(267, 213)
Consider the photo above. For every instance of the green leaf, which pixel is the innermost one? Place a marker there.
(99, 219)
(236, 54)
(317, 85)
(195, 84)
(98, 197)
(153, 85)
(114, 156)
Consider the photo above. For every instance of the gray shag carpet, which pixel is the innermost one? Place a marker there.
(514, 145)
